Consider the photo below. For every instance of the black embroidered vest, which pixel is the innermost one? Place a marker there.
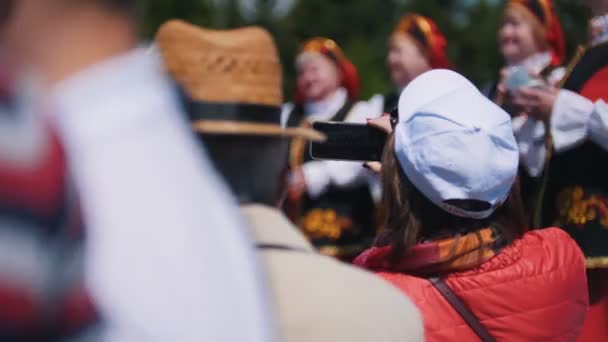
(576, 198)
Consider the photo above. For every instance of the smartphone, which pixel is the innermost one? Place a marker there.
(348, 141)
(520, 77)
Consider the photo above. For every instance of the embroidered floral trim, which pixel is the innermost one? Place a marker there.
(575, 208)
(325, 223)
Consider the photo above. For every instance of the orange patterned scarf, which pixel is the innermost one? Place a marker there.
(455, 254)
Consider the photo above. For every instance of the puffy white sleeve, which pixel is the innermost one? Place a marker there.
(576, 118)
(530, 136)
(570, 120)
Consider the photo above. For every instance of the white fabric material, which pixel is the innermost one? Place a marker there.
(168, 257)
(455, 144)
(574, 120)
(325, 109)
(530, 136)
(599, 29)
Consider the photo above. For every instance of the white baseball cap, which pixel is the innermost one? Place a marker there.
(455, 144)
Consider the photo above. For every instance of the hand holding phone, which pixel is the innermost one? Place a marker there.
(519, 77)
(348, 141)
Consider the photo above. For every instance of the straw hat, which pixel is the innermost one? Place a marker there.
(232, 79)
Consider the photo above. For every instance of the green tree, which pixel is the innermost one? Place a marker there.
(362, 28)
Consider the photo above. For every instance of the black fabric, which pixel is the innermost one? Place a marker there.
(277, 247)
(418, 34)
(536, 8)
(391, 100)
(583, 168)
(233, 112)
(592, 61)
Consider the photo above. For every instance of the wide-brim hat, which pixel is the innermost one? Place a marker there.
(232, 79)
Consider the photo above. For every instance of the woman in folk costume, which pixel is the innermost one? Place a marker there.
(531, 42)
(329, 200)
(572, 157)
(415, 47)
(530, 37)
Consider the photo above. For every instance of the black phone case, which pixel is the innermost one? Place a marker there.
(348, 141)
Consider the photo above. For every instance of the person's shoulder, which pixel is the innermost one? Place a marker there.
(554, 244)
(344, 294)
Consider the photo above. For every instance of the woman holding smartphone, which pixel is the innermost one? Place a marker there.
(455, 239)
(329, 200)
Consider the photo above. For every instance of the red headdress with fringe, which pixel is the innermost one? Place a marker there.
(331, 50)
(544, 12)
(425, 32)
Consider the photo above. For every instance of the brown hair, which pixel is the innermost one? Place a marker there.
(411, 218)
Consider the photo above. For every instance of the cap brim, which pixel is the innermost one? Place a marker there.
(246, 128)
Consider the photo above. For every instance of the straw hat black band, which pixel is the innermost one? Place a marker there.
(234, 112)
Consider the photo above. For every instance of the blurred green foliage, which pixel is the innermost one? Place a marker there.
(362, 28)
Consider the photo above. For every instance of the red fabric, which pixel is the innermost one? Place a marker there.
(38, 185)
(595, 328)
(350, 79)
(555, 38)
(595, 88)
(438, 56)
(533, 290)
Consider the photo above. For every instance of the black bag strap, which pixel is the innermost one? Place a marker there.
(277, 247)
(462, 309)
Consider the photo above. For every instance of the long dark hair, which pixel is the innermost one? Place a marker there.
(411, 218)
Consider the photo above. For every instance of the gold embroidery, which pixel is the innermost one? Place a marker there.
(574, 208)
(324, 223)
(597, 262)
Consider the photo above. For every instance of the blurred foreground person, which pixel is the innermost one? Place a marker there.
(454, 236)
(157, 216)
(330, 200)
(415, 47)
(571, 153)
(42, 292)
(233, 82)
